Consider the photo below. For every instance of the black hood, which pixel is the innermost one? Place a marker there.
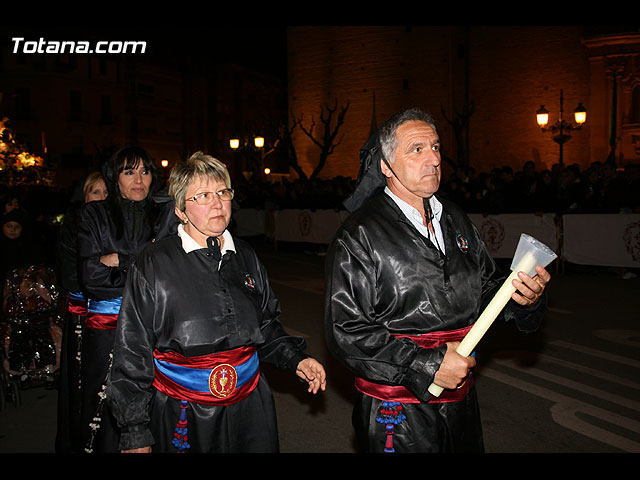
(370, 177)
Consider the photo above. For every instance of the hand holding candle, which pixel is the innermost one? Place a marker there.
(529, 253)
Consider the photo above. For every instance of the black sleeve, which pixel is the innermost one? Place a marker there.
(353, 335)
(130, 388)
(94, 231)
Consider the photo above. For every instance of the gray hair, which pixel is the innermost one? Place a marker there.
(387, 132)
(198, 165)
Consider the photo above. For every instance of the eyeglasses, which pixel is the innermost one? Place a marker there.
(205, 198)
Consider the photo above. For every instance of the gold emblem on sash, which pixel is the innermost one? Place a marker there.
(222, 380)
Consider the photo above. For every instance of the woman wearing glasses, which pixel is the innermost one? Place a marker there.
(111, 233)
(198, 316)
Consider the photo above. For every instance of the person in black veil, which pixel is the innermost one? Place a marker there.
(407, 274)
(111, 234)
(198, 317)
(29, 329)
(17, 248)
(68, 437)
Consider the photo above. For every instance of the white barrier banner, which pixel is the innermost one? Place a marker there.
(296, 225)
(501, 233)
(609, 240)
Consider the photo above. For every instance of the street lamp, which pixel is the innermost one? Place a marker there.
(164, 163)
(259, 143)
(560, 130)
(242, 144)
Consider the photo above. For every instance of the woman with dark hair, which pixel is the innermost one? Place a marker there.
(68, 439)
(111, 234)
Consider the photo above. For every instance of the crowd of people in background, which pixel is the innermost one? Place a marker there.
(600, 188)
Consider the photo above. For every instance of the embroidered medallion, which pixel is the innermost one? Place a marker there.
(222, 380)
(463, 245)
(249, 282)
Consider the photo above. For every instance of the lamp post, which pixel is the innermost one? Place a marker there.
(258, 143)
(561, 130)
(165, 172)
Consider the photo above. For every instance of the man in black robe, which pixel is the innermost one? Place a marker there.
(407, 275)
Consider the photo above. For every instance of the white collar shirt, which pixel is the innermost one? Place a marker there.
(416, 219)
(189, 244)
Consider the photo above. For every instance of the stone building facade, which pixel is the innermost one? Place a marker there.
(483, 85)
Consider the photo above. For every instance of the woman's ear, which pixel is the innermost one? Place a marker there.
(181, 215)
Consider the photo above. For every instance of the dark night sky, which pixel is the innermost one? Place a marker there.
(263, 49)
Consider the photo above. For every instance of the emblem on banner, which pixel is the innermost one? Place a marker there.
(492, 233)
(304, 223)
(249, 282)
(631, 237)
(223, 380)
(463, 245)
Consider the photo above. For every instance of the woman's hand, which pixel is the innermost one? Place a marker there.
(110, 260)
(138, 450)
(312, 371)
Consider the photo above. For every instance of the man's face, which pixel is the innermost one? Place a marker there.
(416, 163)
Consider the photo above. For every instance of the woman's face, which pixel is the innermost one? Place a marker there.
(12, 230)
(98, 191)
(205, 220)
(134, 183)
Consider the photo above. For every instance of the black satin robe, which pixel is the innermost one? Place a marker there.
(181, 302)
(99, 235)
(69, 436)
(384, 278)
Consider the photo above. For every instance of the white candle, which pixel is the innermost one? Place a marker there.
(490, 313)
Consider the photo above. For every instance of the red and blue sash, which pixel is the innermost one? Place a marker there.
(103, 314)
(221, 378)
(76, 303)
(398, 393)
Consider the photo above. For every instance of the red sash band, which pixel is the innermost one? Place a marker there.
(101, 321)
(77, 307)
(398, 393)
(221, 378)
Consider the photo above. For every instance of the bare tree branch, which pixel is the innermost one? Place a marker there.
(327, 141)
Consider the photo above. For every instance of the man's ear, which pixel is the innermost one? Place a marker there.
(385, 169)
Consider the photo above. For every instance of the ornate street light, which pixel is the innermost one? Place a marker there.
(561, 130)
